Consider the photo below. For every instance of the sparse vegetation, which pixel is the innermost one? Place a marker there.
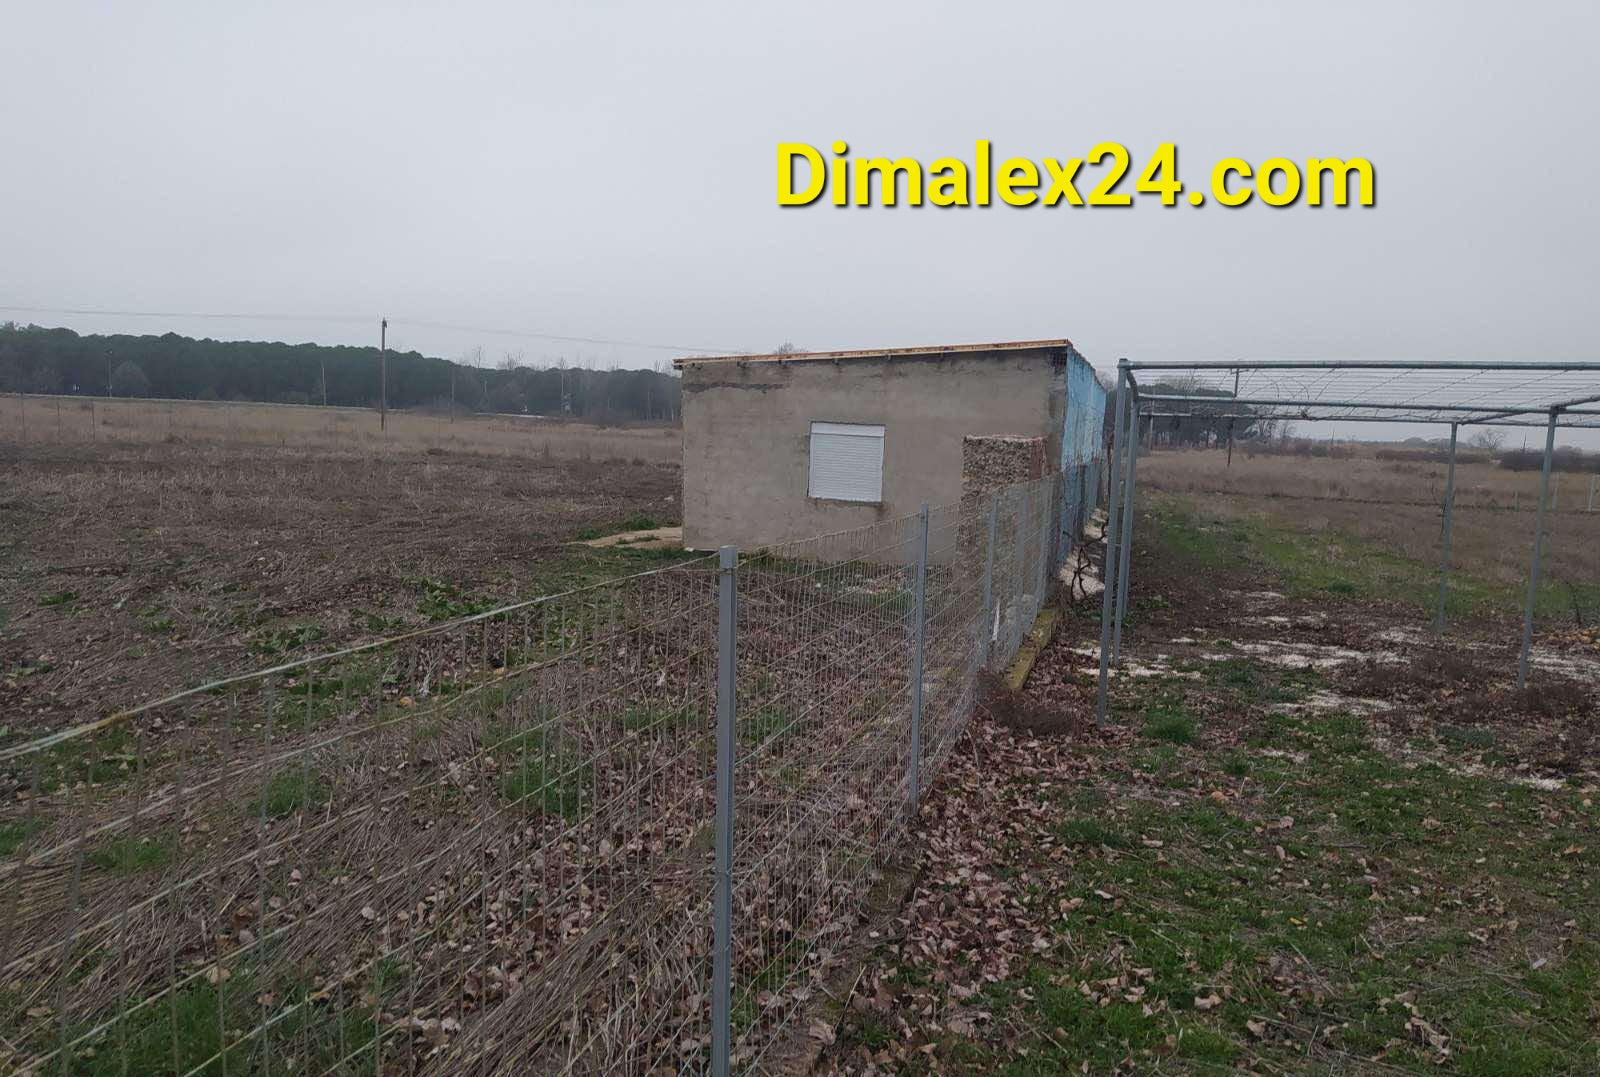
(247, 553)
(126, 855)
(288, 793)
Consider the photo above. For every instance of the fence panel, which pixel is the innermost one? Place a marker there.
(481, 848)
(488, 846)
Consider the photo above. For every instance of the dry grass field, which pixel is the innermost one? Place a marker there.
(141, 562)
(63, 420)
(1387, 518)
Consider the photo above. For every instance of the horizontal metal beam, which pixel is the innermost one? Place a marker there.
(1568, 405)
(1268, 402)
(1367, 364)
(1256, 416)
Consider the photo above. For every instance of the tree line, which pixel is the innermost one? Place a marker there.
(35, 359)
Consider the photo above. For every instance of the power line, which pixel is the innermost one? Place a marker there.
(363, 319)
(554, 336)
(350, 318)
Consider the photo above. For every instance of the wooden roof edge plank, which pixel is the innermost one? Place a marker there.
(883, 353)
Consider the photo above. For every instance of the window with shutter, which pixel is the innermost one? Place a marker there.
(847, 461)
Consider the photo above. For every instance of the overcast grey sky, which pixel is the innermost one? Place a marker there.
(608, 170)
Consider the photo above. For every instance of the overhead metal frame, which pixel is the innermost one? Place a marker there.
(1454, 392)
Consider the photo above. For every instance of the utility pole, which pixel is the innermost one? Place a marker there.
(452, 394)
(383, 374)
(324, 383)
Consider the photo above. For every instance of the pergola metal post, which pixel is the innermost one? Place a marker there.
(1108, 572)
(1538, 549)
(1449, 507)
(1127, 532)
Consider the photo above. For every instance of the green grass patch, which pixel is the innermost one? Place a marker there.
(280, 641)
(662, 718)
(290, 792)
(1084, 830)
(59, 598)
(12, 835)
(1167, 719)
(1338, 564)
(540, 774)
(773, 722)
(108, 757)
(441, 600)
(589, 532)
(130, 855)
(203, 1029)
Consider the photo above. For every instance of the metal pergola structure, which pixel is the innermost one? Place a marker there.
(1456, 393)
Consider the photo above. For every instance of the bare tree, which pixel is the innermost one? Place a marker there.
(1488, 438)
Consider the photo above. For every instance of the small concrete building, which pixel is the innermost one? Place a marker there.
(787, 446)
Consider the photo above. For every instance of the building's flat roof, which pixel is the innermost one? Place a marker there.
(880, 353)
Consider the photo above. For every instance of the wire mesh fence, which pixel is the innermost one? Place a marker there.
(492, 846)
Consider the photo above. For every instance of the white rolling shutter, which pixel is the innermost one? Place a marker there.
(847, 461)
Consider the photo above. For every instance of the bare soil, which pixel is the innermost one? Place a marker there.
(131, 571)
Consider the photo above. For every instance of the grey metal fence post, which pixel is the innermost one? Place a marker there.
(1127, 531)
(1449, 509)
(915, 766)
(1594, 484)
(1018, 576)
(1538, 550)
(1047, 552)
(1108, 571)
(988, 577)
(722, 899)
